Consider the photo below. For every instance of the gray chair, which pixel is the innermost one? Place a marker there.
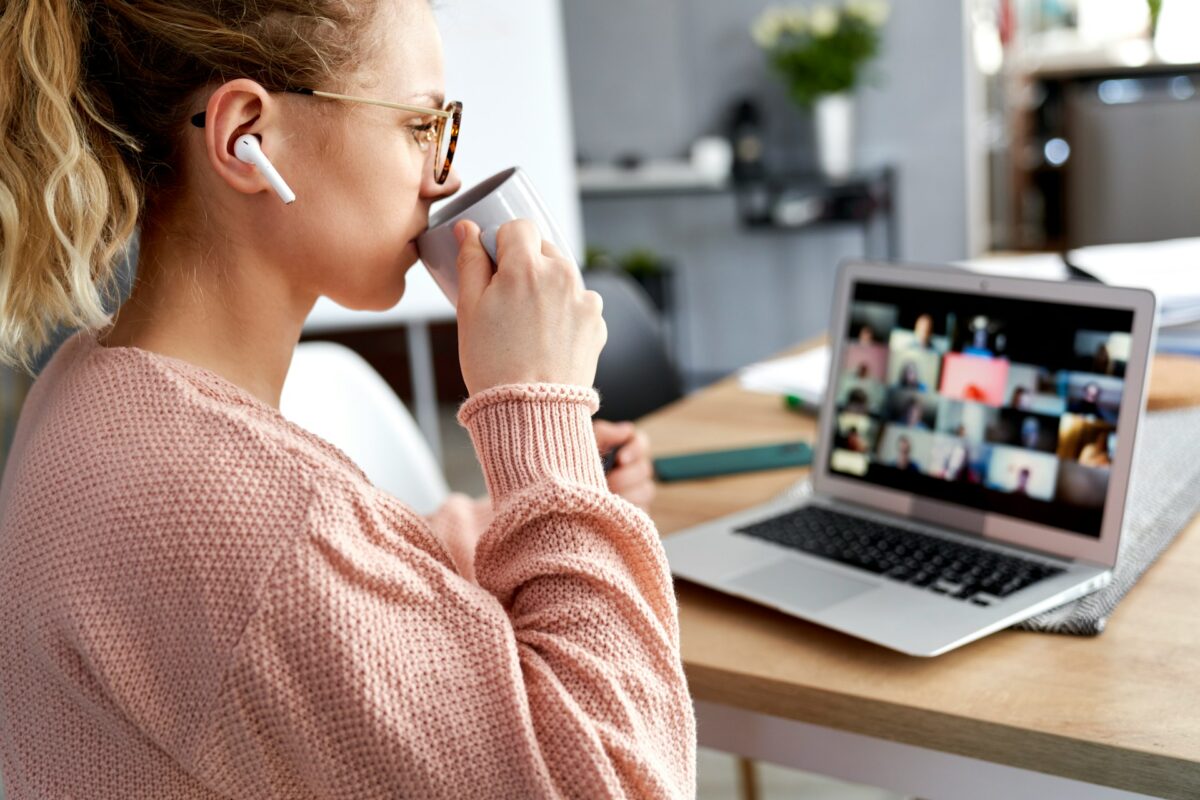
(635, 375)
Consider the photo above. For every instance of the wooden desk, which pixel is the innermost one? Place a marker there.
(1016, 714)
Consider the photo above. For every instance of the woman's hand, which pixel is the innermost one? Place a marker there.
(633, 475)
(530, 322)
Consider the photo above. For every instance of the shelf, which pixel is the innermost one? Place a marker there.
(779, 201)
(654, 178)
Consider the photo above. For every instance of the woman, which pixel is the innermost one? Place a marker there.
(1096, 452)
(203, 600)
(910, 378)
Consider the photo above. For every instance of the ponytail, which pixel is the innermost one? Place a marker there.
(68, 202)
(93, 99)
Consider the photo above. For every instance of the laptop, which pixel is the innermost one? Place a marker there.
(971, 464)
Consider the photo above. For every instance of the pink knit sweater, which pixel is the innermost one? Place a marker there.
(198, 599)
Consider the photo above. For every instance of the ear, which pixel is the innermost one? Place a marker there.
(237, 107)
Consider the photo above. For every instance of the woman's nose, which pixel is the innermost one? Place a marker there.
(433, 190)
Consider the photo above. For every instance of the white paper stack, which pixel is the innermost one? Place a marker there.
(803, 375)
(1171, 269)
(1043, 266)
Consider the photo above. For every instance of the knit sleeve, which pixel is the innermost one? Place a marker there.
(372, 669)
(458, 524)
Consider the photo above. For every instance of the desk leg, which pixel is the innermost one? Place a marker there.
(748, 778)
(902, 768)
(420, 359)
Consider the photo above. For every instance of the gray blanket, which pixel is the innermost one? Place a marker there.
(1164, 496)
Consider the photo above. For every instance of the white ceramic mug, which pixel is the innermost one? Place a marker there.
(505, 196)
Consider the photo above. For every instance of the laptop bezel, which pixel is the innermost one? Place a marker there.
(990, 525)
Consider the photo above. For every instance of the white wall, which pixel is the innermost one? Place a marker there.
(506, 62)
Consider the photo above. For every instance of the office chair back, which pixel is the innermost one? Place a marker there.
(635, 375)
(333, 392)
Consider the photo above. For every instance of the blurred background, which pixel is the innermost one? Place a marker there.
(724, 157)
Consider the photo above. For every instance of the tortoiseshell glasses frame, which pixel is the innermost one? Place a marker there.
(442, 131)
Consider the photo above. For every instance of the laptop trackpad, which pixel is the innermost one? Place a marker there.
(798, 585)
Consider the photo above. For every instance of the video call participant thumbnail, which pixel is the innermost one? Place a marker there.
(1020, 429)
(860, 395)
(905, 449)
(1102, 352)
(923, 334)
(1033, 388)
(1087, 441)
(958, 460)
(1097, 396)
(866, 361)
(1022, 472)
(975, 378)
(964, 420)
(911, 408)
(910, 368)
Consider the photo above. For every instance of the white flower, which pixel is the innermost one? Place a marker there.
(768, 28)
(776, 22)
(872, 12)
(824, 20)
(795, 20)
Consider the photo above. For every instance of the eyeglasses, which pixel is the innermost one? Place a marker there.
(441, 132)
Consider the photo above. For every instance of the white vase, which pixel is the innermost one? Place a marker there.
(833, 116)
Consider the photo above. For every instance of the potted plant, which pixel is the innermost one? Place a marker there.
(642, 264)
(652, 272)
(819, 51)
(596, 257)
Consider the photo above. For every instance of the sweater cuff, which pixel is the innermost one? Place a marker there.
(531, 432)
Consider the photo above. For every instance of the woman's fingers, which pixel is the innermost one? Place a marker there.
(518, 244)
(532, 322)
(636, 448)
(550, 250)
(611, 434)
(474, 266)
(640, 494)
(626, 477)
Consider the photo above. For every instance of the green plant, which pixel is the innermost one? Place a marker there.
(639, 262)
(596, 257)
(1155, 10)
(821, 49)
(642, 262)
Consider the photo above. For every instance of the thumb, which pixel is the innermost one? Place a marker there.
(474, 265)
(611, 434)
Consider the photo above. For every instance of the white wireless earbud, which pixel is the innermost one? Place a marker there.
(247, 149)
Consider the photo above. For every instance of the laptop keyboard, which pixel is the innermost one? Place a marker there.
(967, 573)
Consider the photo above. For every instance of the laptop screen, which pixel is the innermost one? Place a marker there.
(1004, 405)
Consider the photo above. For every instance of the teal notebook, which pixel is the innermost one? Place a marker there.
(727, 462)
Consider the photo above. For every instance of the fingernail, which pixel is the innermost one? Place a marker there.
(460, 231)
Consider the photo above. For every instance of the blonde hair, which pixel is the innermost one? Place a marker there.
(93, 98)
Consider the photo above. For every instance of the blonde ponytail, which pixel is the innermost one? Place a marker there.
(93, 98)
(68, 202)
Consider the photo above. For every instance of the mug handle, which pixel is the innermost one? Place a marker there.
(487, 238)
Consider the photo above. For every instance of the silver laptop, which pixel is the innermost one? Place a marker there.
(971, 463)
